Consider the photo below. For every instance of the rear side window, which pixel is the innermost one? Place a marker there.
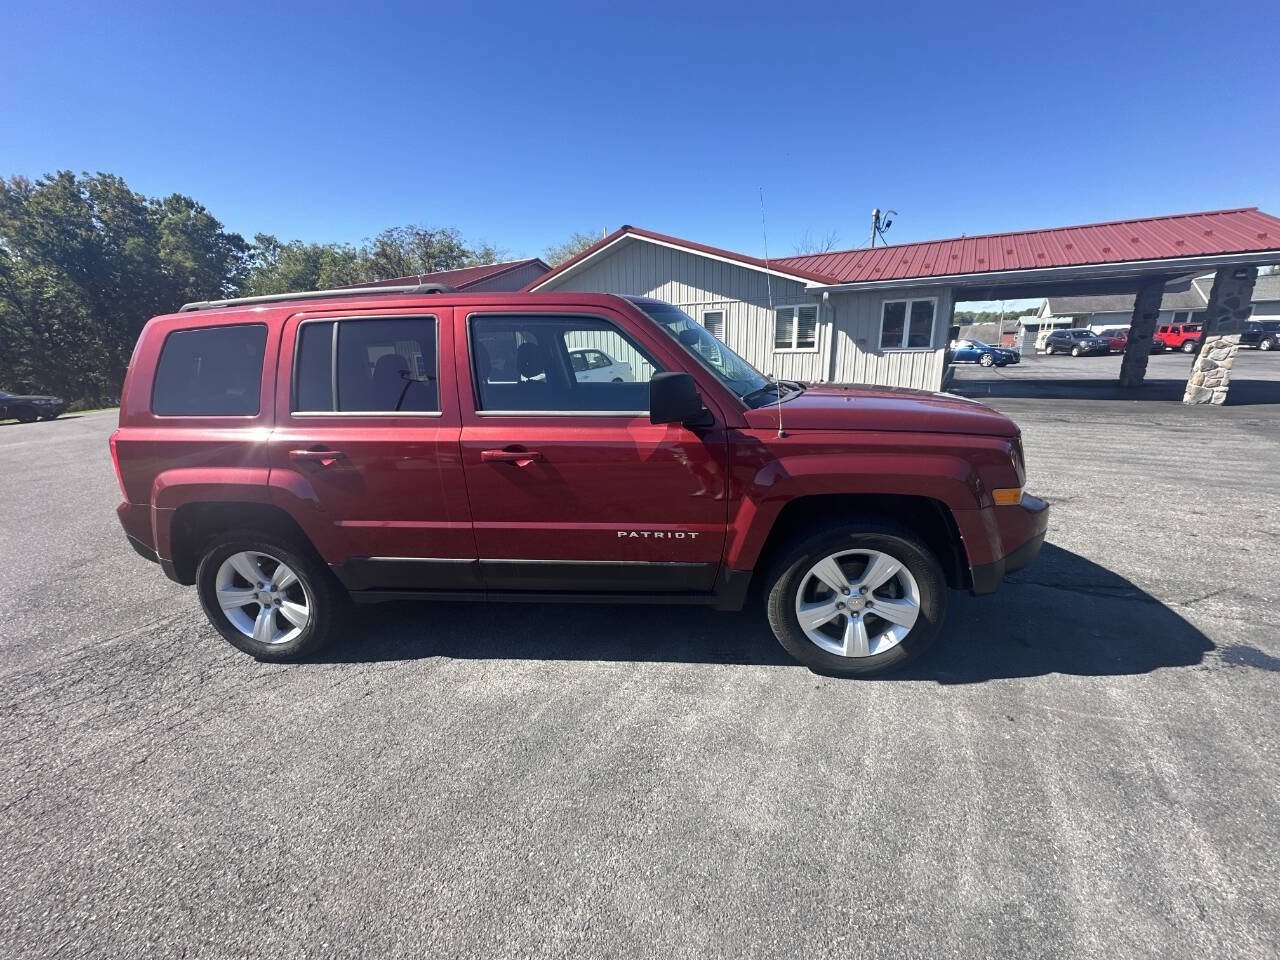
(383, 365)
(213, 372)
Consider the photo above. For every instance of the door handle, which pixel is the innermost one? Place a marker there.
(323, 457)
(520, 458)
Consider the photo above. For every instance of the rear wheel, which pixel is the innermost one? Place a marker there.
(859, 600)
(1189, 346)
(1075, 351)
(1267, 344)
(270, 598)
(987, 360)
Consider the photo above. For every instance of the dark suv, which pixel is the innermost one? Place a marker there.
(1076, 342)
(1262, 334)
(287, 454)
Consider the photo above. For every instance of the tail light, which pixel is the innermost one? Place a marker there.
(115, 463)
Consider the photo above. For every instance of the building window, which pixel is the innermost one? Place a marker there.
(1182, 316)
(907, 324)
(713, 320)
(795, 328)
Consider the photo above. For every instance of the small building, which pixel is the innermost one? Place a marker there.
(508, 276)
(883, 315)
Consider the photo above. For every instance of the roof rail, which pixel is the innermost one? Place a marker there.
(313, 295)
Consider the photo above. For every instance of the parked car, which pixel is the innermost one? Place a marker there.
(1180, 336)
(1262, 334)
(285, 454)
(975, 351)
(1158, 345)
(1075, 342)
(28, 408)
(596, 366)
(1114, 339)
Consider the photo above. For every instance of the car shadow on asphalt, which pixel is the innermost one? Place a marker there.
(1064, 614)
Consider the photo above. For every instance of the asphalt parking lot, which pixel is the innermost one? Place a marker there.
(1087, 766)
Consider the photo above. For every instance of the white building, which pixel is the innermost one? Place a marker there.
(883, 315)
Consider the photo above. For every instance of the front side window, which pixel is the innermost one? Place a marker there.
(906, 324)
(796, 328)
(212, 372)
(382, 365)
(531, 364)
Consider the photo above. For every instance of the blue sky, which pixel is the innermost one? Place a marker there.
(521, 123)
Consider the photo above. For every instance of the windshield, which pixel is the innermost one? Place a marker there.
(729, 368)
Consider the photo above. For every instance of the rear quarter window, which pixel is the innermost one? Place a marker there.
(211, 372)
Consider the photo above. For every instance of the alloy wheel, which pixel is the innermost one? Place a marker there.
(857, 603)
(262, 597)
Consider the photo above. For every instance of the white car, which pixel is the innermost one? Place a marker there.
(596, 366)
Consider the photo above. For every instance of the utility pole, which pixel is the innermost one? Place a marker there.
(875, 224)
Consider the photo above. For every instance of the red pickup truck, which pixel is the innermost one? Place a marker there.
(286, 455)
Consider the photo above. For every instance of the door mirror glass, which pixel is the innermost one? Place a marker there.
(674, 398)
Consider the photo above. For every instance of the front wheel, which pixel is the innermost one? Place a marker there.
(859, 600)
(24, 415)
(1075, 351)
(266, 596)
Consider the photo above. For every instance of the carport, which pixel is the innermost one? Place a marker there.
(1140, 258)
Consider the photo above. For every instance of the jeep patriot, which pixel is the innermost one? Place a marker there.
(286, 455)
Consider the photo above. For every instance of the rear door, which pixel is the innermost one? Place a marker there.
(366, 446)
(571, 487)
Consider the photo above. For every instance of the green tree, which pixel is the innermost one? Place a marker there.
(561, 252)
(84, 262)
(412, 250)
(295, 266)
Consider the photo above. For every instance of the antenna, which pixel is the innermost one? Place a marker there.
(878, 226)
(768, 280)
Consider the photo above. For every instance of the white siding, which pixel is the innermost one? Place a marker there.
(696, 283)
(859, 358)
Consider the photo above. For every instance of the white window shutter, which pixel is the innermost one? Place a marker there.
(807, 327)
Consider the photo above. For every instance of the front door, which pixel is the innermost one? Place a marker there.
(571, 487)
(365, 449)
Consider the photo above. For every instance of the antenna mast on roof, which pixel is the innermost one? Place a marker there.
(768, 280)
(878, 227)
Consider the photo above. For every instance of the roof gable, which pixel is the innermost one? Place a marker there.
(462, 277)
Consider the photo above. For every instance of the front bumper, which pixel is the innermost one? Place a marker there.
(1022, 532)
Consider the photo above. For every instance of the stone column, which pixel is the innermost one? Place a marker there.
(1142, 327)
(1229, 304)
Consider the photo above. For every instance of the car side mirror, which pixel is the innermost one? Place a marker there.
(674, 398)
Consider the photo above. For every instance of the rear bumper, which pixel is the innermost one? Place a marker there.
(1023, 532)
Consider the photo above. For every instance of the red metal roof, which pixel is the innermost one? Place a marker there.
(1244, 230)
(459, 279)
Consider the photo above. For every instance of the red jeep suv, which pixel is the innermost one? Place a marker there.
(288, 454)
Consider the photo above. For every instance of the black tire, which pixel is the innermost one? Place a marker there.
(24, 415)
(1189, 346)
(987, 360)
(52, 416)
(618, 380)
(325, 596)
(1075, 351)
(1266, 344)
(788, 573)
